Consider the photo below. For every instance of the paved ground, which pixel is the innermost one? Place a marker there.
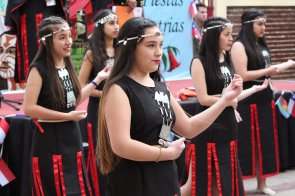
(283, 184)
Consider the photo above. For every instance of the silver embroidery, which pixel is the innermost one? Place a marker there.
(64, 76)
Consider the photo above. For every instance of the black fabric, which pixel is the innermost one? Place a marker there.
(95, 70)
(286, 133)
(265, 128)
(45, 98)
(17, 155)
(30, 9)
(264, 96)
(267, 140)
(264, 53)
(92, 118)
(220, 133)
(144, 178)
(224, 128)
(286, 136)
(225, 169)
(190, 106)
(101, 4)
(58, 139)
(146, 120)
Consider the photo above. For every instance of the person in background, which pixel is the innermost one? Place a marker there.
(127, 9)
(258, 138)
(99, 55)
(214, 167)
(51, 96)
(199, 20)
(137, 113)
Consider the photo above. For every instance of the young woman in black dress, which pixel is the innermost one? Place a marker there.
(214, 167)
(137, 113)
(51, 96)
(98, 56)
(258, 138)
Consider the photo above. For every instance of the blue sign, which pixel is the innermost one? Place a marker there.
(175, 22)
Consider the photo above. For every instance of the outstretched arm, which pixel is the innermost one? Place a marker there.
(86, 68)
(254, 89)
(240, 60)
(89, 89)
(191, 127)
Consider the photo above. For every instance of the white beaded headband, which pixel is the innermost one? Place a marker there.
(53, 33)
(105, 19)
(255, 20)
(217, 26)
(139, 37)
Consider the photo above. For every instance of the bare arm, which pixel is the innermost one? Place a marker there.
(254, 89)
(286, 65)
(118, 117)
(33, 87)
(199, 82)
(191, 127)
(239, 59)
(89, 88)
(85, 71)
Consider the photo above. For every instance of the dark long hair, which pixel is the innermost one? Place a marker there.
(97, 41)
(249, 40)
(198, 5)
(44, 57)
(124, 58)
(209, 50)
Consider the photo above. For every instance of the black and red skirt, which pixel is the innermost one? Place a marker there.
(57, 164)
(218, 162)
(258, 140)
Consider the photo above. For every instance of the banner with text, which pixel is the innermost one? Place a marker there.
(175, 22)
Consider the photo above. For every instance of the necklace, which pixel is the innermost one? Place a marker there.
(163, 103)
(60, 64)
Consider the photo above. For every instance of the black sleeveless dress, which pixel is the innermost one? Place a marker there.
(139, 178)
(258, 130)
(96, 178)
(57, 164)
(214, 152)
(93, 104)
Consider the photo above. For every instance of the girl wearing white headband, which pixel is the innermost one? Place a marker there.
(137, 114)
(99, 55)
(52, 94)
(258, 139)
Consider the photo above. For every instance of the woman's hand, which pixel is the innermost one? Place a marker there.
(234, 103)
(284, 66)
(77, 115)
(103, 74)
(232, 91)
(175, 148)
(292, 62)
(264, 85)
(273, 70)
